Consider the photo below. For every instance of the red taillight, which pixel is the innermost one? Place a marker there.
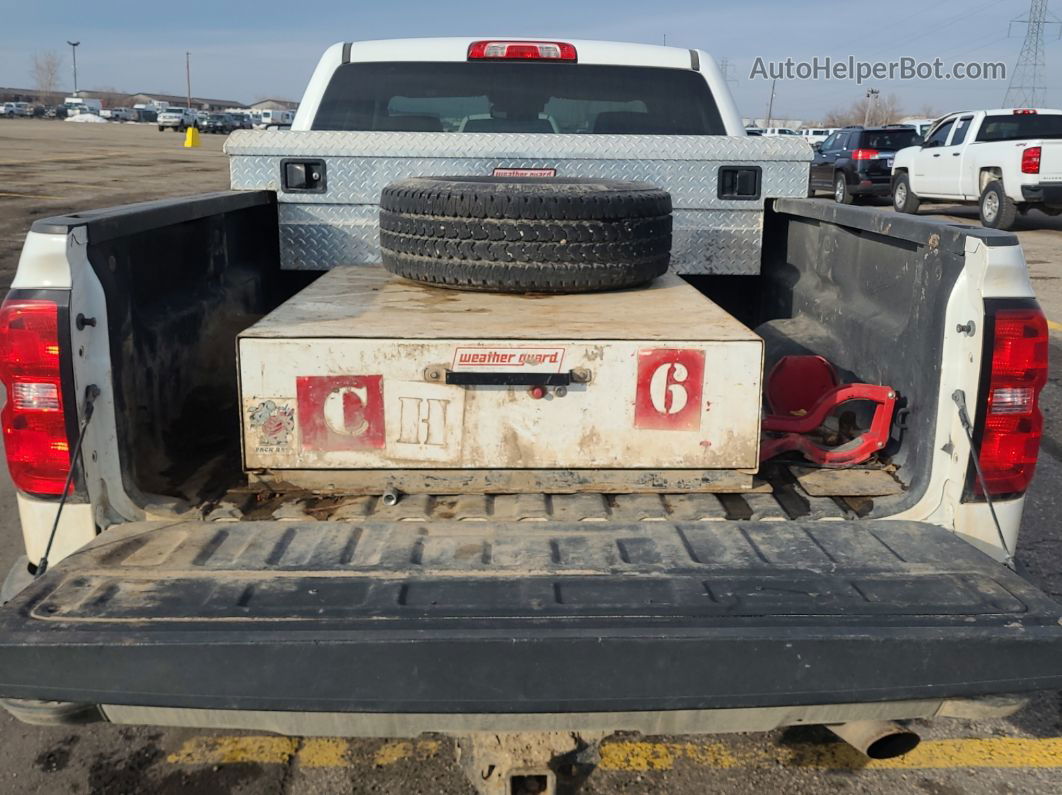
(1013, 424)
(864, 154)
(1030, 160)
(521, 51)
(34, 423)
(1025, 112)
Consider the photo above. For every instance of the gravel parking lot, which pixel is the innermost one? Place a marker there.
(50, 167)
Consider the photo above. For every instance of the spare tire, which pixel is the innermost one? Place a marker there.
(525, 234)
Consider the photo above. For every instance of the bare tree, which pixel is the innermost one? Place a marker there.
(44, 68)
(927, 111)
(884, 110)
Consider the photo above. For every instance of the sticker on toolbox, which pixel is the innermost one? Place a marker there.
(508, 359)
(274, 423)
(340, 412)
(669, 389)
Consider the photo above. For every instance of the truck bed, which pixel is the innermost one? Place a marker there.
(703, 614)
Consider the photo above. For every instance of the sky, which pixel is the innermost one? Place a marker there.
(251, 49)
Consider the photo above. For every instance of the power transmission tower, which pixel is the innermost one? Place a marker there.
(727, 69)
(1027, 83)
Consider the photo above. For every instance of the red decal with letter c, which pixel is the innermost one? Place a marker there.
(340, 412)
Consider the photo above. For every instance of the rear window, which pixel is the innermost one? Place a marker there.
(889, 140)
(1016, 127)
(518, 98)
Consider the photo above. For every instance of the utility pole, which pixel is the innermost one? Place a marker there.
(872, 101)
(188, 76)
(1027, 84)
(770, 103)
(73, 49)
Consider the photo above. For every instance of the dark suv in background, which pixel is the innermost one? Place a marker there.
(218, 123)
(857, 161)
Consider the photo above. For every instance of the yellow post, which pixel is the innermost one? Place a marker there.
(191, 137)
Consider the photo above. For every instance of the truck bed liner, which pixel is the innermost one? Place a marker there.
(525, 617)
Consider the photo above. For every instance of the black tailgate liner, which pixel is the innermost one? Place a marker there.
(526, 617)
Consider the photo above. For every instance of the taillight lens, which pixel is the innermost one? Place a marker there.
(34, 422)
(521, 50)
(1030, 160)
(864, 154)
(1025, 112)
(1013, 425)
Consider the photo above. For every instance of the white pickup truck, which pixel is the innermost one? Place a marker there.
(266, 484)
(1008, 161)
(177, 119)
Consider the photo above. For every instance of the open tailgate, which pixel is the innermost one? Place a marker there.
(525, 617)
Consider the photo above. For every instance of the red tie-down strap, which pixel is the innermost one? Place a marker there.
(856, 451)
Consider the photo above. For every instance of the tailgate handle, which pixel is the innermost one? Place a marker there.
(509, 379)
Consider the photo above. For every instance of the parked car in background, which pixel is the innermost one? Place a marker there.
(218, 123)
(119, 114)
(1007, 160)
(7, 110)
(920, 125)
(856, 161)
(146, 115)
(24, 109)
(242, 121)
(76, 105)
(275, 118)
(816, 135)
(178, 119)
(775, 131)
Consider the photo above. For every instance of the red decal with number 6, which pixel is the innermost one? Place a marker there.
(670, 384)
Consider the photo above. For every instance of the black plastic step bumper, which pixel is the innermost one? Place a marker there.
(410, 618)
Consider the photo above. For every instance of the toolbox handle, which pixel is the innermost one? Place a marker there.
(508, 379)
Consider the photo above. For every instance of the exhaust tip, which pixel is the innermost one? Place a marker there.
(893, 745)
(877, 739)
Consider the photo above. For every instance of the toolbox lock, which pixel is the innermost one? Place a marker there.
(303, 176)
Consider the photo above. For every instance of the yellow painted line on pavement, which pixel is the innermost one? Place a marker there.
(1054, 326)
(324, 752)
(998, 752)
(309, 752)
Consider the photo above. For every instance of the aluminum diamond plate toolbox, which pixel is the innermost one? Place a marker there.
(339, 225)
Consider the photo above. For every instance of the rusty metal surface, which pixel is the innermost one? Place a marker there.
(339, 226)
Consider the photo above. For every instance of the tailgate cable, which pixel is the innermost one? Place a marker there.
(91, 393)
(964, 419)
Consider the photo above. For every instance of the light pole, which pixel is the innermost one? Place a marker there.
(770, 103)
(872, 101)
(73, 49)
